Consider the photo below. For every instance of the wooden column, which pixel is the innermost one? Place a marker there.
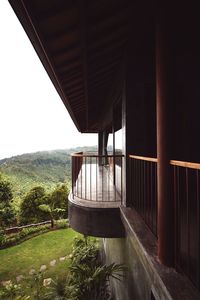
(100, 146)
(105, 142)
(100, 143)
(164, 115)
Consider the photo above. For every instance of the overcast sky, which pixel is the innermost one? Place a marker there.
(32, 116)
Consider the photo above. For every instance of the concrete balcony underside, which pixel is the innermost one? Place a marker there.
(94, 207)
(98, 222)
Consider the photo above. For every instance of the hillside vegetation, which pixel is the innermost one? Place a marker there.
(45, 168)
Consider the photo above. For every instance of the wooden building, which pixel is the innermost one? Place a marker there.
(129, 71)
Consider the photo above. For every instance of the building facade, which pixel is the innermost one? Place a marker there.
(129, 72)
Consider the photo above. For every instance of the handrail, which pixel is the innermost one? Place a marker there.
(177, 163)
(143, 188)
(143, 158)
(185, 164)
(96, 155)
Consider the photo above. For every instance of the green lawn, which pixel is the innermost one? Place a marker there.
(40, 250)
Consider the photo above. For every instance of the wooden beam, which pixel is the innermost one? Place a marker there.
(77, 93)
(104, 63)
(50, 11)
(68, 62)
(67, 48)
(63, 33)
(74, 89)
(104, 68)
(72, 75)
(102, 78)
(118, 35)
(69, 68)
(84, 51)
(67, 56)
(73, 83)
(103, 52)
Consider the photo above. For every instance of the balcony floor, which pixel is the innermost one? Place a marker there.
(95, 188)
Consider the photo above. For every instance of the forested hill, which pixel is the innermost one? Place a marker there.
(46, 168)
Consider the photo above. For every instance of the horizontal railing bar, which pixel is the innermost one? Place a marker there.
(98, 201)
(177, 163)
(185, 164)
(144, 158)
(95, 155)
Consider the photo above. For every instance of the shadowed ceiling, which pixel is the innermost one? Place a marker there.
(81, 45)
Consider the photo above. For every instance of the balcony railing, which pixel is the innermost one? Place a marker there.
(97, 178)
(186, 193)
(143, 188)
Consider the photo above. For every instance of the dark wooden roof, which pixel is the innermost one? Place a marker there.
(81, 45)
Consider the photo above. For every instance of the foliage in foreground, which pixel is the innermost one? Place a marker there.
(87, 278)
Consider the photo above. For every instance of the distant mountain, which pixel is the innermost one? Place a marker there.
(45, 168)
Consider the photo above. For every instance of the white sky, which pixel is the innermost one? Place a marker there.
(32, 116)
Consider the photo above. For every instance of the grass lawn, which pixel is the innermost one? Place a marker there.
(40, 250)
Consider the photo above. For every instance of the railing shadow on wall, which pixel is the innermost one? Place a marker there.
(97, 177)
(143, 188)
(185, 190)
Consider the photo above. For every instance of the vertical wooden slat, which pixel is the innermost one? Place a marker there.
(187, 219)
(198, 230)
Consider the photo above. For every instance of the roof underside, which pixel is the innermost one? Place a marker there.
(81, 45)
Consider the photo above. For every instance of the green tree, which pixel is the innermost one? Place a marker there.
(50, 210)
(30, 211)
(5, 190)
(59, 199)
(56, 203)
(7, 214)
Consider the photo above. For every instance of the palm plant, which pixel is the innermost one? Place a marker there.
(36, 284)
(92, 283)
(57, 290)
(89, 278)
(11, 292)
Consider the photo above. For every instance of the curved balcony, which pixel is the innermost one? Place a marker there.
(96, 194)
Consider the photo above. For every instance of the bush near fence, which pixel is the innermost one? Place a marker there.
(16, 235)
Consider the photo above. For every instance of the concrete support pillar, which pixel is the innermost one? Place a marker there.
(164, 117)
(105, 142)
(100, 143)
(100, 146)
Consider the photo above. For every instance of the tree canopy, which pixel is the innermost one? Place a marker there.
(30, 211)
(7, 214)
(38, 205)
(5, 190)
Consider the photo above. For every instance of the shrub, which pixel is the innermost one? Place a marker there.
(12, 291)
(2, 238)
(86, 279)
(63, 223)
(7, 241)
(89, 279)
(85, 251)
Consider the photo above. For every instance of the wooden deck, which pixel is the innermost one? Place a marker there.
(95, 188)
